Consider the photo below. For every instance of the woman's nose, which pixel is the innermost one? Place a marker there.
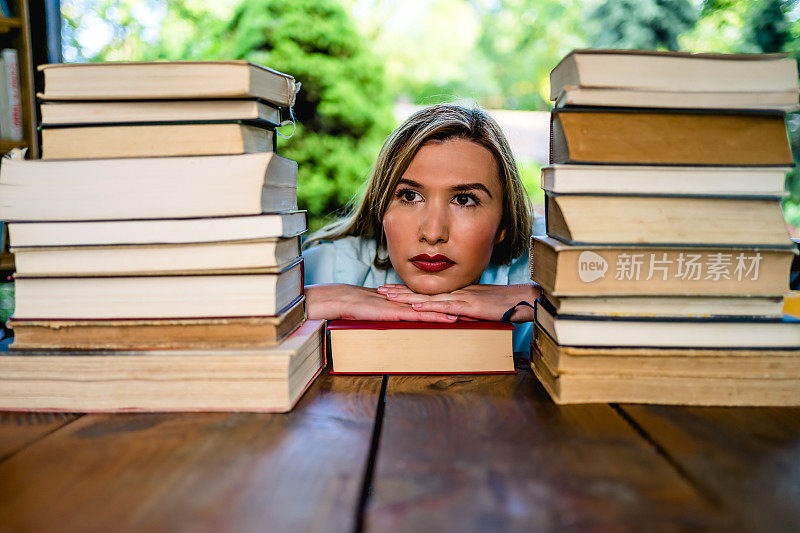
(434, 225)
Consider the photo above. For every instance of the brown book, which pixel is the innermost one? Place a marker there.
(674, 390)
(711, 363)
(154, 140)
(613, 270)
(653, 137)
(147, 334)
(605, 219)
(253, 379)
(370, 347)
(167, 80)
(674, 72)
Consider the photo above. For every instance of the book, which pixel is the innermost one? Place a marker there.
(150, 334)
(146, 188)
(260, 379)
(155, 259)
(674, 390)
(609, 219)
(668, 137)
(626, 332)
(685, 306)
(167, 296)
(159, 231)
(367, 347)
(155, 140)
(664, 180)
(711, 363)
(12, 106)
(157, 111)
(650, 270)
(573, 95)
(674, 72)
(167, 80)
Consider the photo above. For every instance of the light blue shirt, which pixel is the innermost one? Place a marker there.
(349, 260)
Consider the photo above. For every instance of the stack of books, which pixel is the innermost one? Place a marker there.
(157, 244)
(667, 255)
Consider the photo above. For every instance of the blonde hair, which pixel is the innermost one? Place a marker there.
(436, 123)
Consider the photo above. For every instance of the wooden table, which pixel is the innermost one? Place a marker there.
(406, 453)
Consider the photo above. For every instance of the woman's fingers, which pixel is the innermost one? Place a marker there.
(395, 289)
(449, 307)
(409, 298)
(425, 316)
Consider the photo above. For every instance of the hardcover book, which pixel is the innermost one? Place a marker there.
(168, 296)
(651, 270)
(366, 347)
(681, 72)
(672, 390)
(258, 379)
(167, 80)
(610, 219)
(158, 231)
(264, 255)
(157, 111)
(673, 137)
(157, 140)
(690, 362)
(146, 188)
(158, 334)
(664, 180)
(668, 333)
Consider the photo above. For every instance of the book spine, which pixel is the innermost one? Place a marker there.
(11, 74)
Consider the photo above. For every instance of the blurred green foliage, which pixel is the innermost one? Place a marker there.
(355, 57)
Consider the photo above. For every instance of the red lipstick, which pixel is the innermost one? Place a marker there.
(432, 263)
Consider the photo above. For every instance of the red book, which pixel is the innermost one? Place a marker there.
(464, 347)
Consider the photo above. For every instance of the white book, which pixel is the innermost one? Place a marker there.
(156, 259)
(146, 188)
(664, 180)
(171, 296)
(161, 231)
(666, 333)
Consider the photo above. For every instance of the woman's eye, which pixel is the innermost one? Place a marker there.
(407, 195)
(465, 199)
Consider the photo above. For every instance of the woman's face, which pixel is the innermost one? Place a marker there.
(443, 220)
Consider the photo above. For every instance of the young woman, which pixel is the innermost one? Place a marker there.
(441, 233)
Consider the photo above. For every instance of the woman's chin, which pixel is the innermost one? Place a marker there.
(432, 285)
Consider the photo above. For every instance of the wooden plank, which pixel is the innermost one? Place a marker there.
(301, 471)
(488, 453)
(17, 430)
(749, 457)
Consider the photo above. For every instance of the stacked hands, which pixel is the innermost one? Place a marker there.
(398, 302)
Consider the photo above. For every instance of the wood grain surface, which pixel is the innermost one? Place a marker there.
(748, 457)
(302, 471)
(18, 430)
(493, 453)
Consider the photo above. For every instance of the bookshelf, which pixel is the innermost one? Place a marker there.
(15, 32)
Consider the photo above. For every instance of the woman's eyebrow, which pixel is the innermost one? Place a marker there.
(410, 183)
(470, 186)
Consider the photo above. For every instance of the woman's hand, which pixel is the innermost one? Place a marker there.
(351, 302)
(481, 302)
